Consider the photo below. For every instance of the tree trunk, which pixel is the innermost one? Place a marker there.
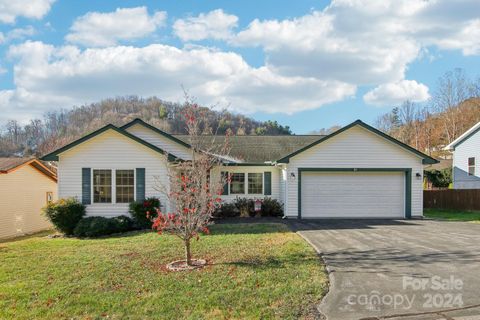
(188, 255)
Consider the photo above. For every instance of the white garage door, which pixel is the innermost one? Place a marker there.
(353, 195)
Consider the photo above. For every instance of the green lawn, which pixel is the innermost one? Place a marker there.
(452, 215)
(256, 271)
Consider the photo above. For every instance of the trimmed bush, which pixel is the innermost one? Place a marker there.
(100, 226)
(271, 208)
(139, 209)
(245, 207)
(123, 223)
(64, 214)
(227, 210)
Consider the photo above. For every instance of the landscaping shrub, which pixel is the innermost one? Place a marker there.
(271, 208)
(100, 226)
(227, 210)
(244, 207)
(123, 223)
(139, 209)
(64, 214)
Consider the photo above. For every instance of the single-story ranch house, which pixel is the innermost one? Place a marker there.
(355, 172)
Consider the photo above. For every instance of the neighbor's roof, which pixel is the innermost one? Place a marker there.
(470, 132)
(8, 165)
(260, 149)
(443, 164)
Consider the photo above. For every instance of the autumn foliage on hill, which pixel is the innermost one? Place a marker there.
(454, 108)
(58, 128)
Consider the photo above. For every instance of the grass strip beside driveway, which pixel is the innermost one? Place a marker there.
(452, 215)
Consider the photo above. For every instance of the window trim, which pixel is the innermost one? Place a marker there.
(114, 186)
(261, 181)
(134, 185)
(469, 166)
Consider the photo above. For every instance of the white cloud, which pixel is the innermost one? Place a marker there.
(17, 34)
(107, 29)
(215, 24)
(391, 94)
(33, 9)
(49, 77)
(365, 42)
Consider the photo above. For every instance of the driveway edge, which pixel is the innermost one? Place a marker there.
(331, 278)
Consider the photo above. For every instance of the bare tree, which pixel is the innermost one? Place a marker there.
(453, 88)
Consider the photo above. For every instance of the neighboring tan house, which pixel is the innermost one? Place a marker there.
(466, 159)
(26, 186)
(355, 172)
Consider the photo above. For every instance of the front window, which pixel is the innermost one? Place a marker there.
(471, 166)
(124, 186)
(102, 186)
(255, 183)
(237, 183)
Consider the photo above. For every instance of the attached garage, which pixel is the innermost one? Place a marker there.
(356, 172)
(353, 194)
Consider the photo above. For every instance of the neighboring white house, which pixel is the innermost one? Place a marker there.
(466, 159)
(26, 185)
(355, 172)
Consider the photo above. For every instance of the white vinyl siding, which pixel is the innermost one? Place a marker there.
(276, 174)
(355, 148)
(160, 141)
(353, 194)
(24, 194)
(469, 148)
(110, 150)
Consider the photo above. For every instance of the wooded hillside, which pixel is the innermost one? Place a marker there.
(58, 128)
(453, 109)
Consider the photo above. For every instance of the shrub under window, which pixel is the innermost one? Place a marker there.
(64, 214)
(143, 212)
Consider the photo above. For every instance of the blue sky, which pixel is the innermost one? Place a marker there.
(306, 64)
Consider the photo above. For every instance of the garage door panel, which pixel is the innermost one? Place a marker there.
(353, 194)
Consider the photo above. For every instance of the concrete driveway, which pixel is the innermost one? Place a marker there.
(405, 269)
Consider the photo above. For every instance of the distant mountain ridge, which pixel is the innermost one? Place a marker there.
(61, 127)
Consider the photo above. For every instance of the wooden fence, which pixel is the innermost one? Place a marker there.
(460, 199)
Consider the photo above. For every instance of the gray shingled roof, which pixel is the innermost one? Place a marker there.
(259, 149)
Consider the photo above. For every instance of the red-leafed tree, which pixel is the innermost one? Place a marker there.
(193, 195)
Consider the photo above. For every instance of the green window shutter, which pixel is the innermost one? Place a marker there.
(86, 186)
(140, 184)
(225, 186)
(267, 183)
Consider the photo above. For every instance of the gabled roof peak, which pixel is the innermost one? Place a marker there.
(463, 137)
